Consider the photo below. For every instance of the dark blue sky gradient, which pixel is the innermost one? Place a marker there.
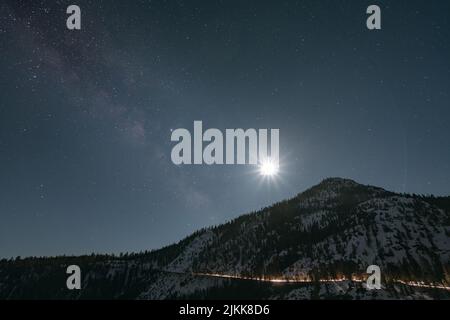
(85, 116)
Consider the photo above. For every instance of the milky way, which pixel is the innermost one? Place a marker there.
(86, 116)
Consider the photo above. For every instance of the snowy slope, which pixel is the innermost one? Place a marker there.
(334, 230)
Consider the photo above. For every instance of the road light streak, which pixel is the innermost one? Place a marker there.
(420, 284)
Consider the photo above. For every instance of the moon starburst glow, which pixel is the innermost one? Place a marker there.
(268, 168)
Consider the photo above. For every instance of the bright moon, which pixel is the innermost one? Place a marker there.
(268, 168)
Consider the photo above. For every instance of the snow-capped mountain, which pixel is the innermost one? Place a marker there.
(316, 245)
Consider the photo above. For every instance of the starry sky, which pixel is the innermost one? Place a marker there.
(86, 116)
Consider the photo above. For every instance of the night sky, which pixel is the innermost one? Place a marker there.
(86, 116)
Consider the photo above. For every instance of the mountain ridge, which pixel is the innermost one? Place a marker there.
(333, 230)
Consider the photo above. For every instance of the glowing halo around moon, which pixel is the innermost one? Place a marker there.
(268, 168)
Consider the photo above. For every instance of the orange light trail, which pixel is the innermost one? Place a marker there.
(286, 280)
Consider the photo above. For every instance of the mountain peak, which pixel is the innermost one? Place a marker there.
(326, 236)
(336, 184)
(338, 189)
(338, 180)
